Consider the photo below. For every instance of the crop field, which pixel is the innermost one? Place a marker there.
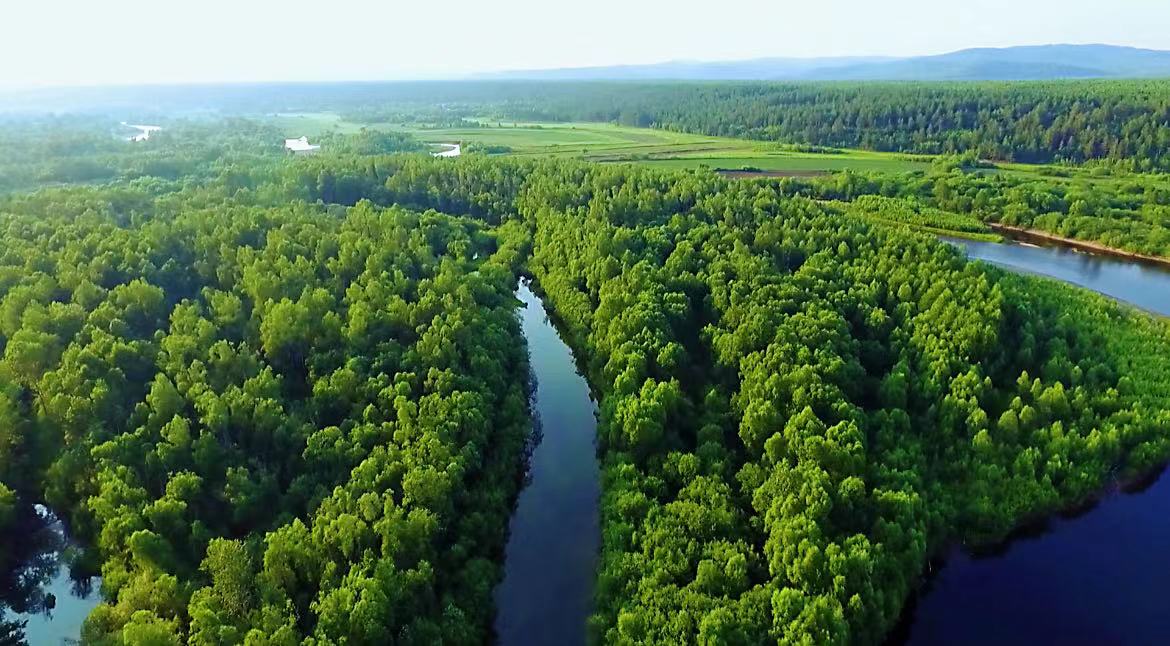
(312, 124)
(613, 143)
(789, 162)
(603, 142)
(577, 139)
(610, 143)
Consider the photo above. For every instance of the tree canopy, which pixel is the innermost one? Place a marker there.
(286, 401)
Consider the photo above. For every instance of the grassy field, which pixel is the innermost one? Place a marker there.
(577, 139)
(312, 124)
(603, 142)
(1073, 174)
(790, 162)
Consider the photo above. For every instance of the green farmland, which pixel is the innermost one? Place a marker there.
(603, 142)
(611, 143)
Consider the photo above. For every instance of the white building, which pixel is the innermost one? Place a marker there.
(144, 132)
(300, 146)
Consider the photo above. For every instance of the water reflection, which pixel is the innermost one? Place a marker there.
(41, 602)
(1093, 578)
(551, 558)
(1093, 575)
(1144, 285)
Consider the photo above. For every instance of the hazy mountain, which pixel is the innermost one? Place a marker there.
(1010, 63)
(1035, 62)
(757, 68)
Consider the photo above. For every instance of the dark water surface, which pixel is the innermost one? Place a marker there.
(1094, 579)
(551, 557)
(1098, 578)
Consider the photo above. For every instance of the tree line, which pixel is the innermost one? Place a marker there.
(78, 149)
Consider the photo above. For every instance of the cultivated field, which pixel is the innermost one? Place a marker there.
(609, 143)
(603, 142)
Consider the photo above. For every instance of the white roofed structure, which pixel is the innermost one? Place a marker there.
(300, 146)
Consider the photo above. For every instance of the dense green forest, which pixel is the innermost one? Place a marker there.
(286, 400)
(278, 422)
(84, 149)
(797, 410)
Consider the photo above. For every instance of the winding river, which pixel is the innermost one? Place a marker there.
(1093, 578)
(551, 556)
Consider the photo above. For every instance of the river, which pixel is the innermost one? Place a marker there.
(1096, 578)
(41, 591)
(551, 557)
(1143, 285)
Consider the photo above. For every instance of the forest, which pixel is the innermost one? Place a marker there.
(83, 148)
(287, 400)
(266, 420)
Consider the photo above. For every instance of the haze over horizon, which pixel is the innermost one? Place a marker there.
(129, 42)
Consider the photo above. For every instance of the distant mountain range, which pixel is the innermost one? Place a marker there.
(1035, 62)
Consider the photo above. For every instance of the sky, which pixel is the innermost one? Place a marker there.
(97, 42)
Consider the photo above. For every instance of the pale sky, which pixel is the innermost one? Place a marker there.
(70, 42)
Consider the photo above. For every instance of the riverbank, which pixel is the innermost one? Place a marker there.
(941, 232)
(1036, 235)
